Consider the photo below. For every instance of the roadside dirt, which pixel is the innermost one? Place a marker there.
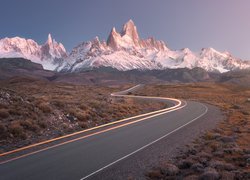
(32, 110)
(222, 153)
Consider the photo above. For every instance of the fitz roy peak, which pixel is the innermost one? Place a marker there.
(48, 54)
(126, 51)
(123, 50)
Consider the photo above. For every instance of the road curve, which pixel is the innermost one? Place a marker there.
(88, 153)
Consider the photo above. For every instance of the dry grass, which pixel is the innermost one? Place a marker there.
(4, 113)
(32, 111)
(230, 142)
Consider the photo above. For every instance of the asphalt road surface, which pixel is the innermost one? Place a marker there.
(94, 154)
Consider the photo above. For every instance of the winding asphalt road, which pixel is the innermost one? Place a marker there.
(91, 152)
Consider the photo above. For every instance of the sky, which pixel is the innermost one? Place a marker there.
(195, 24)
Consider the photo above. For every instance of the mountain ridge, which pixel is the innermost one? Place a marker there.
(123, 50)
(46, 54)
(126, 51)
(19, 69)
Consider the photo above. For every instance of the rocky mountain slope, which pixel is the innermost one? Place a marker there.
(123, 51)
(49, 54)
(19, 67)
(126, 51)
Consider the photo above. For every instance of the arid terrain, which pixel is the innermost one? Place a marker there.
(33, 110)
(223, 153)
(125, 90)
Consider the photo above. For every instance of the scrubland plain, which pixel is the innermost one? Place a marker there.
(223, 153)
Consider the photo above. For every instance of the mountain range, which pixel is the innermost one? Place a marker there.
(49, 54)
(123, 51)
(19, 69)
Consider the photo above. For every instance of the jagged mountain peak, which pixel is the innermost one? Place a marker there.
(96, 40)
(45, 54)
(126, 51)
(209, 50)
(130, 34)
(130, 21)
(212, 53)
(128, 25)
(123, 51)
(50, 40)
(129, 39)
(186, 50)
(113, 31)
(130, 30)
(114, 39)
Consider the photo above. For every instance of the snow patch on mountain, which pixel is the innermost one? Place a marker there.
(123, 50)
(126, 51)
(48, 54)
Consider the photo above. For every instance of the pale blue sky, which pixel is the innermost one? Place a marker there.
(221, 24)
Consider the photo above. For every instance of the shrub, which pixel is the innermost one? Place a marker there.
(59, 103)
(83, 107)
(17, 130)
(83, 125)
(42, 124)
(155, 174)
(208, 136)
(15, 111)
(45, 107)
(4, 113)
(235, 106)
(3, 129)
(79, 116)
(65, 126)
(83, 116)
(3, 106)
(94, 104)
(72, 111)
(29, 125)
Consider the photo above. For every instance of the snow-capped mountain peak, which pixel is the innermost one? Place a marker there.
(128, 37)
(45, 54)
(123, 50)
(126, 51)
(129, 29)
(52, 49)
(211, 53)
(50, 40)
(113, 39)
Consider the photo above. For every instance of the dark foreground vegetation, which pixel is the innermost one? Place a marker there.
(33, 110)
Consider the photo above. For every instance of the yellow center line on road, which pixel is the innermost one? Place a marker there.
(89, 135)
(178, 104)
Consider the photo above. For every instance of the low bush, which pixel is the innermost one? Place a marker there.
(58, 103)
(58, 108)
(83, 107)
(83, 125)
(42, 124)
(4, 113)
(82, 116)
(3, 106)
(29, 125)
(17, 130)
(3, 129)
(45, 107)
(15, 111)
